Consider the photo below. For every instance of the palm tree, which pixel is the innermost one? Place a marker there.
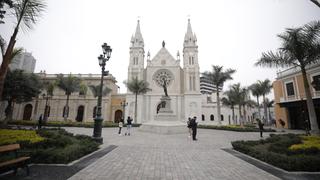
(269, 105)
(69, 85)
(218, 77)
(300, 48)
(266, 87)
(137, 87)
(49, 87)
(96, 90)
(256, 91)
(316, 2)
(239, 93)
(229, 101)
(27, 13)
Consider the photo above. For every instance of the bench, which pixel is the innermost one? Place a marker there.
(13, 163)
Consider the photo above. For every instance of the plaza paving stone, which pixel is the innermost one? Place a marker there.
(153, 156)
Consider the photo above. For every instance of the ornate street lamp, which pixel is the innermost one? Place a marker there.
(103, 58)
(123, 104)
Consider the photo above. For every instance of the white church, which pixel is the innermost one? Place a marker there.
(183, 85)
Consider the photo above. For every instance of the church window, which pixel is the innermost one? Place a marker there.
(211, 117)
(194, 83)
(221, 117)
(192, 60)
(135, 60)
(190, 83)
(202, 117)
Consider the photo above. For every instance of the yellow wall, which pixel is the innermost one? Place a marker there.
(279, 112)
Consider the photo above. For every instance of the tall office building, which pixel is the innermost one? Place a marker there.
(25, 61)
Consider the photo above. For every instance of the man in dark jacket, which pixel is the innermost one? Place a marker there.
(193, 124)
(260, 124)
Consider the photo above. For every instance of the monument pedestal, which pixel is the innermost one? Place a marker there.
(165, 122)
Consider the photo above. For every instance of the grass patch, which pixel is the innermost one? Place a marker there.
(56, 146)
(276, 150)
(238, 128)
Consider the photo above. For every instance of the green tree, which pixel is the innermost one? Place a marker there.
(9, 3)
(27, 13)
(69, 85)
(19, 87)
(300, 47)
(95, 89)
(269, 104)
(83, 89)
(137, 87)
(218, 77)
(266, 87)
(229, 101)
(316, 2)
(239, 94)
(256, 91)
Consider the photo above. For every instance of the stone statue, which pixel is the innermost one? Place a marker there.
(164, 85)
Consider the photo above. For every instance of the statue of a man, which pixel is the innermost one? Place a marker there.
(164, 85)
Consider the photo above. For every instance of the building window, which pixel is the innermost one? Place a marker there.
(192, 60)
(202, 117)
(290, 89)
(221, 117)
(316, 79)
(211, 117)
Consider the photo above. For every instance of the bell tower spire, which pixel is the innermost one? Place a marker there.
(136, 61)
(190, 62)
(137, 39)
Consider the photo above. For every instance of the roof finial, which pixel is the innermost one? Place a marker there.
(163, 44)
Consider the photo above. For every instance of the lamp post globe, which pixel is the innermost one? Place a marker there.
(102, 59)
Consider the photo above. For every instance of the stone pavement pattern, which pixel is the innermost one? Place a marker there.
(153, 156)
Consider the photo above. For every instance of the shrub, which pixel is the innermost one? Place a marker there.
(280, 155)
(9, 136)
(234, 128)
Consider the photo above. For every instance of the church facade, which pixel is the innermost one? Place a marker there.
(183, 83)
(182, 87)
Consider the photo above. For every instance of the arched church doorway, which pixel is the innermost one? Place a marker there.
(80, 114)
(117, 116)
(27, 112)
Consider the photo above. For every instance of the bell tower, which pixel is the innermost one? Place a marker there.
(136, 61)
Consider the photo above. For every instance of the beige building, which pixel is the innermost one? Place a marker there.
(82, 106)
(290, 98)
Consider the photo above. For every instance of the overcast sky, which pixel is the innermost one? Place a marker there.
(230, 33)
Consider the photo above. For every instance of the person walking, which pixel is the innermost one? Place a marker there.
(194, 125)
(129, 124)
(189, 127)
(260, 124)
(120, 126)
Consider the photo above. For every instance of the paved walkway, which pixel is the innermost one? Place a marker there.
(153, 156)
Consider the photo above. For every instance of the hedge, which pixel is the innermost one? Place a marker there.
(235, 128)
(277, 152)
(56, 146)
